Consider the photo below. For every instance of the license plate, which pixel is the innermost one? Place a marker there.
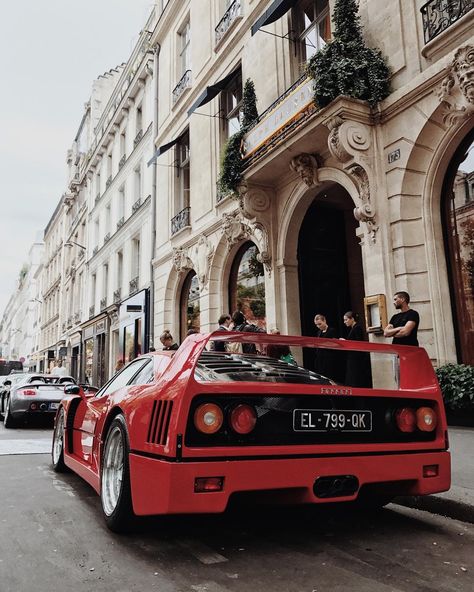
(326, 420)
(53, 406)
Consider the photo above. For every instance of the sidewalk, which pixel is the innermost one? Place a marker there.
(458, 502)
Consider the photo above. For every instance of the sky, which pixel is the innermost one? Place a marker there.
(50, 53)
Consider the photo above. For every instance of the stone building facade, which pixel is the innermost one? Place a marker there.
(340, 207)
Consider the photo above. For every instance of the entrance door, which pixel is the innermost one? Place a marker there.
(331, 277)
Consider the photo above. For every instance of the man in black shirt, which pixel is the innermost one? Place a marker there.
(403, 327)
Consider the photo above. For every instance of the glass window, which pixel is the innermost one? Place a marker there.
(231, 105)
(247, 285)
(190, 305)
(145, 375)
(123, 377)
(313, 25)
(184, 49)
(183, 173)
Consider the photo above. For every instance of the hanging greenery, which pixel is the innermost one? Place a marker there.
(346, 66)
(232, 163)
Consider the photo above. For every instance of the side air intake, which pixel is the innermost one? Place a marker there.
(159, 422)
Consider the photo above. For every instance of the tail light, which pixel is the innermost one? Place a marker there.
(28, 392)
(406, 419)
(208, 418)
(426, 419)
(243, 419)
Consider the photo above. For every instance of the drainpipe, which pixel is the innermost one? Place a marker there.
(153, 198)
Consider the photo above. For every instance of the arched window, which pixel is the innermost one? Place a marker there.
(458, 215)
(247, 285)
(190, 305)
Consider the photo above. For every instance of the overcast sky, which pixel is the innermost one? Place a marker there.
(50, 52)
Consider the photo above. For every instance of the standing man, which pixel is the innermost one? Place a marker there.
(403, 326)
(326, 360)
(59, 369)
(224, 322)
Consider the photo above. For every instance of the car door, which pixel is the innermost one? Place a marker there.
(96, 406)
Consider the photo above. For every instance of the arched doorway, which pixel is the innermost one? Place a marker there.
(458, 224)
(247, 285)
(190, 317)
(330, 272)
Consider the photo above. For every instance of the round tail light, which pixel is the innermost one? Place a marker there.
(406, 419)
(208, 418)
(426, 419)
(243, 419)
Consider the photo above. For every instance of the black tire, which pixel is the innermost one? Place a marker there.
(8, 420)
(57, 449)
(116, 500)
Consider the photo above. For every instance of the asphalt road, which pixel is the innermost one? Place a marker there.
(52, 537)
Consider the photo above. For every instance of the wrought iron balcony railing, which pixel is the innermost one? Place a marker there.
(97, 198)
(120, 222)
(95, 250)
(438, 15)
(81, 254)
(181, 220)
(117, 296)
(221, 194)
(108, 182)
(103, 304)
(137, 139)
(231, 15)
(107, 238)
(136, 205)
(91, 311)
(122, 161)
(182, 85)
(133, 285)
(77, 318)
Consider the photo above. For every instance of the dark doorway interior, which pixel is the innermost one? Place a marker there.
(331, 277)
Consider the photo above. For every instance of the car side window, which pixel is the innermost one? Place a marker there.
(123, 377)
(145, 374)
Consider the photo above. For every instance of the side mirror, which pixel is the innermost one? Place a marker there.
(72, 389)
(7, 383)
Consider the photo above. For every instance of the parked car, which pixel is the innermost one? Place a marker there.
(182, 432)
(33, 394)
(5, 386)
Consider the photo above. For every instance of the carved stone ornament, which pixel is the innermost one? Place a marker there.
(234, 228)
(365, 211)
(181, 260)
(261, 239)
(306, 165)
(202, 255)
(252, 200)
(347, 138)
(456, 91)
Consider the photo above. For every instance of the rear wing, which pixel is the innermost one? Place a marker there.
(411, 364)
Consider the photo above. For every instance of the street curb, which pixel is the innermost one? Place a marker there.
(439, 505)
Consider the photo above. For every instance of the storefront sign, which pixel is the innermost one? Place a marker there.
(286, 111)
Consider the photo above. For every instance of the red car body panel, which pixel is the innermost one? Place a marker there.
(163, 469)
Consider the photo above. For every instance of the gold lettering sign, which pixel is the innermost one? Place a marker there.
(287, 110)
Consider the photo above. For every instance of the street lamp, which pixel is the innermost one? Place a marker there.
(71, 243)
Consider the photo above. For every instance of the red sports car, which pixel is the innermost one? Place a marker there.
(182, 432)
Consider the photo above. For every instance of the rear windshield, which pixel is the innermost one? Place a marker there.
(280, 363)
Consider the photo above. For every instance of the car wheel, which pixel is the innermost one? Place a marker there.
(115, 493)
(8, 420)
(57, 452)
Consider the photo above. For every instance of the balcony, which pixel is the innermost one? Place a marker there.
(231, 16)
(133, 285)
(77, 318)
(95, 250)
(106, 238)
(121, 222)
(136, 205)
(438, 15)
(97, 198)
(108, 183)
(182, 85)
(181, 220)
(117, 296)
(221, 195)
(103, 304)
(137, 139)
(91, 311)
(122, 161)
(81, 254)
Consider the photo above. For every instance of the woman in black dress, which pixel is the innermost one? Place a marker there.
(358, 371)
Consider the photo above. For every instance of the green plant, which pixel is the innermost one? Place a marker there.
(232, 163)
(346, 66)
(457, 385)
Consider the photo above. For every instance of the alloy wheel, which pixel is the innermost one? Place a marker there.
(112, 472)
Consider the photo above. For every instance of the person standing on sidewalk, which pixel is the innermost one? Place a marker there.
(403, 327)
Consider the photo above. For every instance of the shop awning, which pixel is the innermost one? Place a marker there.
(210, 92)
(164, 148)
(275, 11)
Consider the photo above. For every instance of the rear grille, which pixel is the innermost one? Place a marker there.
(159, 422)
(275, 420)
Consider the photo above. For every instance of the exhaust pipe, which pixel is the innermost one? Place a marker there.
(335, 486)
